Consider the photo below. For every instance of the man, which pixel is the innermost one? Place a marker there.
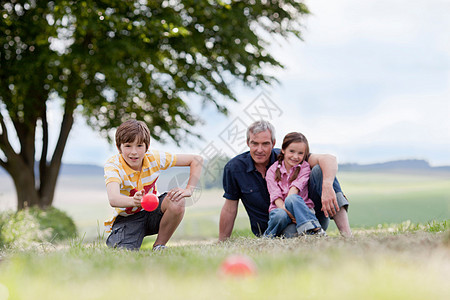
(244, 178)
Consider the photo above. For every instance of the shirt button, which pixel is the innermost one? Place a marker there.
(251, 191)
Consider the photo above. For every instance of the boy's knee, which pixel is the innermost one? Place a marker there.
(177, 207)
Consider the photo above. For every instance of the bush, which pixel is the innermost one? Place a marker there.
(63, 227)
(30, 227)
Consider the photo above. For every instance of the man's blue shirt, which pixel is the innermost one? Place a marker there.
(242, 181)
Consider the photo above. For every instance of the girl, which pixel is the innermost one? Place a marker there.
(287, 182)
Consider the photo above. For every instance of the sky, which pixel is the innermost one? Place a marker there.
(369, 83)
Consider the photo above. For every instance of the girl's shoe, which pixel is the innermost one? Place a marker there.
(316, 232)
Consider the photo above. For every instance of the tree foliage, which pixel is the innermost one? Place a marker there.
(111, 60)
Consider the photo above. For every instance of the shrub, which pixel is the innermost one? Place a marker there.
(28, 228)
(63, 227)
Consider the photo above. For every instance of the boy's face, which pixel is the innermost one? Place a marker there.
(133, 154)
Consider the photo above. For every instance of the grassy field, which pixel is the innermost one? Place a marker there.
(377, 264)
(377, 199)
(400, 250)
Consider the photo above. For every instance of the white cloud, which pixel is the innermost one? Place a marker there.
(371, 82)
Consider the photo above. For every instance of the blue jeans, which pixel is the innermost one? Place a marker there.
(279, 219)
(315, 194)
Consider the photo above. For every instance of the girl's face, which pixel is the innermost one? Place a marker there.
(294, 154)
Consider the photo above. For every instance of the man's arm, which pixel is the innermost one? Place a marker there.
(328, 165)
(227, 218)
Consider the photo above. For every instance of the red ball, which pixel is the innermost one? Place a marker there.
(238, 266)
(149, 202)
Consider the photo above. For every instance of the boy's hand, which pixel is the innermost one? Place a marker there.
(138, 197)
(177, 194)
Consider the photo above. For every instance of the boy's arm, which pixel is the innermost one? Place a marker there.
(195, 163)
(328, 165)
(116, 199)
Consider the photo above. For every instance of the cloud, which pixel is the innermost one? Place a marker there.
(370, 82)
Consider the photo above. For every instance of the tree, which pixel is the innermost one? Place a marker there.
(111, 60)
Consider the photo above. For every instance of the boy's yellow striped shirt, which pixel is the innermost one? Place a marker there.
(131, 181)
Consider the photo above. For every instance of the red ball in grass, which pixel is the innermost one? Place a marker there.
(149, 202)
(238, 266)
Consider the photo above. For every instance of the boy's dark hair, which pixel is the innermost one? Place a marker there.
(293, 137)
(129, 130)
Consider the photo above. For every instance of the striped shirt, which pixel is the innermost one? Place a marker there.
(131, 181)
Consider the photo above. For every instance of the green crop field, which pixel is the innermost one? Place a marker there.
(393, 198)
(400, 264)
(400, 250)
(376, 199)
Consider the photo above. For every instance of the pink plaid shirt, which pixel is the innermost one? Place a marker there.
(281, 188)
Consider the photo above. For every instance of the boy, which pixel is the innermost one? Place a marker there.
(130, 175)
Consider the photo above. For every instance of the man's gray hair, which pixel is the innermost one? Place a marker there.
(260, 126)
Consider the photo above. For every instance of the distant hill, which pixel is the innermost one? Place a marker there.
(408, 165)
(72, 169)
(75, 169)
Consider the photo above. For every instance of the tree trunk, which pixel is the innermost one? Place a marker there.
(50, 171)
(24, 182)
(35, 189)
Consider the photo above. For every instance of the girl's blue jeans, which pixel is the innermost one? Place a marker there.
(315, 194)
(304, 216)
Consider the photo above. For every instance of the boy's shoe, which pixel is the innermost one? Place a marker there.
(157, 248)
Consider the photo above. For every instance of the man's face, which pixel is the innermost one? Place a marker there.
(261, 147)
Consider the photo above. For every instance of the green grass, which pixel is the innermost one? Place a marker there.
(375, 199)
(400, 250)
(405, 262)
(394, 198)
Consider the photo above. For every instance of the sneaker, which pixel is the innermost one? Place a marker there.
(157, 248)
(316, 232)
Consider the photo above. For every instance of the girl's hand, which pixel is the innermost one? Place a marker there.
(290, 215)
(177, 194)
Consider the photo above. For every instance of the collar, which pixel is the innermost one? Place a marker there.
(283, 169)
(128, 169)
(251, 165)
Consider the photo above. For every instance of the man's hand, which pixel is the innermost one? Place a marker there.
(329, 201)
